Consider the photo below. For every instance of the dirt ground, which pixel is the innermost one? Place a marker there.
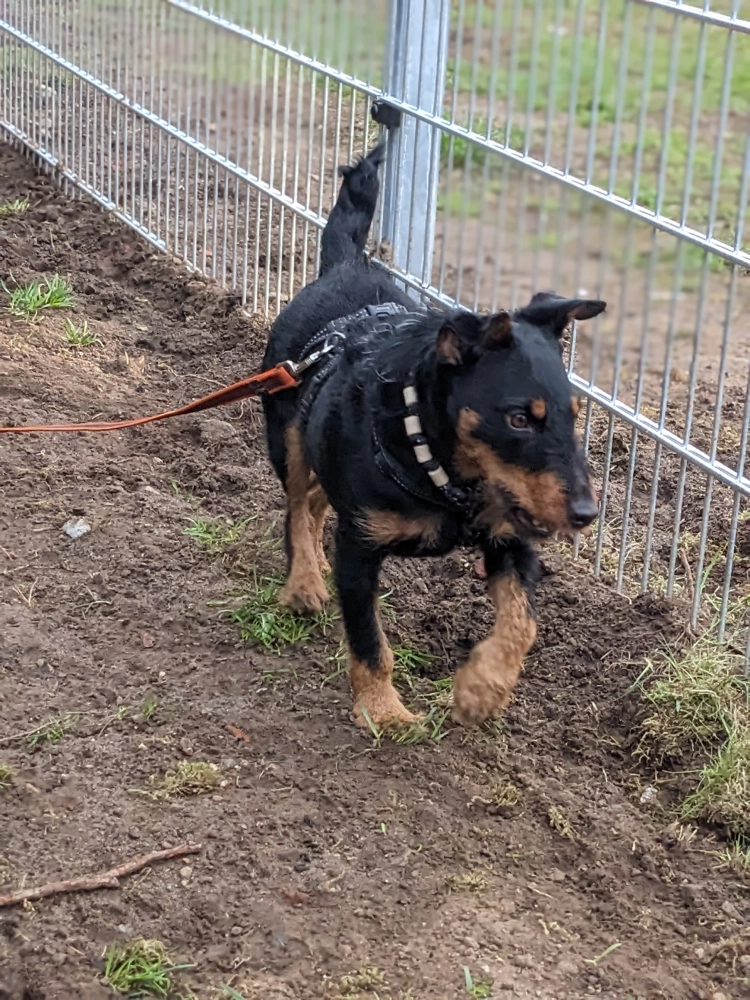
(325, 854)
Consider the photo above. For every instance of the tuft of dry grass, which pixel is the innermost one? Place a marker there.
(560, 823)
(186, 778)
(7, 774)
(735, 857)
(367, 981)
(471, 881)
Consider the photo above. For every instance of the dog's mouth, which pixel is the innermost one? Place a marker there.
(526, 524)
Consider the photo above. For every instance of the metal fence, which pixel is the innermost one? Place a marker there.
(597, 147)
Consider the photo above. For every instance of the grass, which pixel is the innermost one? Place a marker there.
(53, 730)
(78, 334)
(698, 703)
(265, 622)
(479, 990)
(185, 779)
(560, 823)
(722, 795)
(735, 857)
(215, 534)
(473, 881)
(140, 969)
(409, 659)
(693, 701)
(429, 729)
(368, 980)
(149, 706)
(6, 776)
(27, 301)
(503, 794)
(16, 207)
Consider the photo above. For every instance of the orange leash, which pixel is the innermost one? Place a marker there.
(274, 380)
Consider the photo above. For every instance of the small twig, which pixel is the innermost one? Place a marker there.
(103, 880)
(688, 573)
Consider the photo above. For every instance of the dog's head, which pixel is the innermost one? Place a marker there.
(513, 410)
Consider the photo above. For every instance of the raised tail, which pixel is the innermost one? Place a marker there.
(345, 234)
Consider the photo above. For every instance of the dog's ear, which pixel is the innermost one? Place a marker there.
(549, 310)
(498, 330)
(458, 338)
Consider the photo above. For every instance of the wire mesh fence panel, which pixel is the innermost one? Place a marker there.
(594, 147)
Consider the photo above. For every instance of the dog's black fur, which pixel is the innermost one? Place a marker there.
(496, 408)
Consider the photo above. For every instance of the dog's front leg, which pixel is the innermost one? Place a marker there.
(376, 701)
(484, 684)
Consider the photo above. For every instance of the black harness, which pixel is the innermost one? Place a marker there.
(327, 347)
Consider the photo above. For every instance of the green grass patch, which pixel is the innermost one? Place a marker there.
(411, 660)
(431, 728)
(188, 777)
(456, 201)
(697, 703)
(723, 792)
(140, 969)
(216, 534)
(53, 730)
(16, 207)
(479, 989)
(6, 776)
(78, 334)
(265, 622)
(148, 708)
(27, 301)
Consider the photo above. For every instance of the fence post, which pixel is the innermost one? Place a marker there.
(415, 74)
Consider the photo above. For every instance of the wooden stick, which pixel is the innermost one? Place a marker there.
(104, 880)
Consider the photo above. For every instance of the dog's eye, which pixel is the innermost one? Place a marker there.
(519, 421)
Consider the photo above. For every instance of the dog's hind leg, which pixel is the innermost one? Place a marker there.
(305, 590)
(484, 684)
(376, 701)
(318, 509)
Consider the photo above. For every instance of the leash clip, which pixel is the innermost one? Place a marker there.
(296, 368)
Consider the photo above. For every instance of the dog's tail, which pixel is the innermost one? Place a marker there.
(345, 234)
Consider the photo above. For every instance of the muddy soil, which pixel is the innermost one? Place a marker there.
(521, 852)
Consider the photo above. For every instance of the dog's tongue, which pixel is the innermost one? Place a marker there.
(479, 568)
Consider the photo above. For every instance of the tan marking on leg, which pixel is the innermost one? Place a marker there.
(540, 494)
(539, 408)
(305, 590)
(385, 527)
(318, 509)
(374, 692)
(575, 405)
(484, 684)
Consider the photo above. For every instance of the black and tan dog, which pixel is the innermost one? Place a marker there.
(424, 430)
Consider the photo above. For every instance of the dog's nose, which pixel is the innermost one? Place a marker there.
(582, 512)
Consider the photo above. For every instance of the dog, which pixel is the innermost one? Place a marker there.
(424, 429)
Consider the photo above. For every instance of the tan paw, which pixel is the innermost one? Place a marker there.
(323, 564)
(305, 595)
(383, 709)
(478, 694)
